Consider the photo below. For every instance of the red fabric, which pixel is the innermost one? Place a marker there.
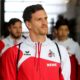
(61, 76)
(31, 71)
(0, 68)
(73, 67)
(1, 45)
(32, 66)
(78, 72)
(47, 70)
(9, 64)
(8, 68)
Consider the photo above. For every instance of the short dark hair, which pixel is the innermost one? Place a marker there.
(12, 21)
(61, 22)
(27, 13)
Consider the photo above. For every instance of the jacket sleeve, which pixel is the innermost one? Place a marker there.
(77, 53)
(78, 59)
(78, 72)
(1, 45)
(65, 64)
(9, 64)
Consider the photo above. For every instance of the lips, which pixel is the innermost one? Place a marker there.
(44, 27)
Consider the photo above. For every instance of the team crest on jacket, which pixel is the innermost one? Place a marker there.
(51, 54)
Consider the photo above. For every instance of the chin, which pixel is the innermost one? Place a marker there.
(17, 37)
(44, 33)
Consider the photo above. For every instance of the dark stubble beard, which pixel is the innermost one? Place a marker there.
(14, 36)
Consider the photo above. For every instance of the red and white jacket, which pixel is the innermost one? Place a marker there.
(7, 43)
(74, 53)
(37, 61)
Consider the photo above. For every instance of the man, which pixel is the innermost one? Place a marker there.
(39, 58)
(15, 37)
(15, 34)
(62, 37)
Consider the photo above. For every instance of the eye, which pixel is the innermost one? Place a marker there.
(45, 18)
(39, 19)
(14, 27)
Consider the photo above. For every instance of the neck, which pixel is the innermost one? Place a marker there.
(60, 39)
(14, 38)
(38, 38)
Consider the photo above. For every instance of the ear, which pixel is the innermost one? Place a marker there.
(9, 28)
(55, 31)
(68, 33)
(28, 24)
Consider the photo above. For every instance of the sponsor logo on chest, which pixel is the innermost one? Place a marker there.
(51, 64)
(27, 53)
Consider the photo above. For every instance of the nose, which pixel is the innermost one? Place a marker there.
(44, 21)
(19, 29)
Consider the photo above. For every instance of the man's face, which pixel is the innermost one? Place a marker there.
(38, 24)
(62, 32)
(16, 30)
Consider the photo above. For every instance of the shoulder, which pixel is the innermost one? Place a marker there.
(4, 44)
(1, 45)
(5, 40)
(1, 42)
(76, 44)
(62, 49)
(11, 51)
(64, 54)
(70, 40)
(50, 42)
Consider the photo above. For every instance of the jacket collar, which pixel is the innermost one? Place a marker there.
(30, 42)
